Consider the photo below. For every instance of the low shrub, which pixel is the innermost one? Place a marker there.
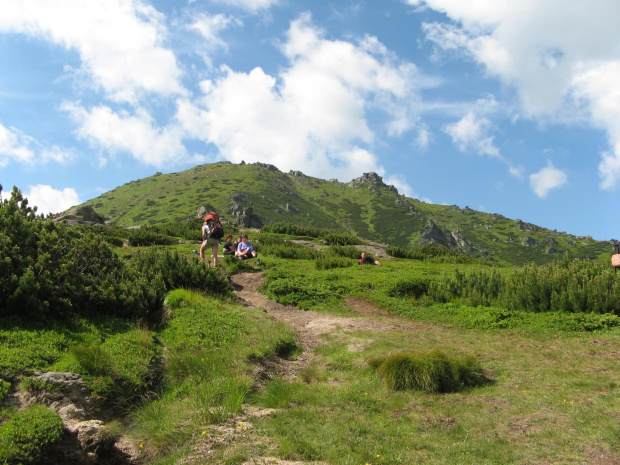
(345, 251)
(147, 236)
(288, 249)
(341, 239)
(434, 253)
(120, 367)
(329, 261)
(35, 385)
(416, 287)
(292, 291)
(179, 271)
(433, 372)
(28, 433)
(4, 389)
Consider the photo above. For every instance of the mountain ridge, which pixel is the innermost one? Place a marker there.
(257, 194)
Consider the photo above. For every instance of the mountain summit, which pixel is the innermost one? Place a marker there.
(253, 195)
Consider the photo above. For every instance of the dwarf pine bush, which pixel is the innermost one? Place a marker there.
(329, 261)
(575, 286)
(433, 372)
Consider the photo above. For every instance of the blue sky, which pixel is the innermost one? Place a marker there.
(508, 107)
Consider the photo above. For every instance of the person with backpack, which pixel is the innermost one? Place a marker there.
(212, 232)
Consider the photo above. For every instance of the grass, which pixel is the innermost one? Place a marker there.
(553, 398)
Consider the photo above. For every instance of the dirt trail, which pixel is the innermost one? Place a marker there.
(310, 326)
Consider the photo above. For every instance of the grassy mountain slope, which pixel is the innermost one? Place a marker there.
(365, 207)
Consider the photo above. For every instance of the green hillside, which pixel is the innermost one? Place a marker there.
(254, 195)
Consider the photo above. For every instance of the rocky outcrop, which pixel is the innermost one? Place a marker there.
(462, 244)
(86, 440)
(523, 226)
(367, 178)
(242, 212)
(434, 235)
(529, 241)
(552, 247)
(81, 215)
(204, 210)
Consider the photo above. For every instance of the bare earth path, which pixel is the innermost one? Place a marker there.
(311, 326)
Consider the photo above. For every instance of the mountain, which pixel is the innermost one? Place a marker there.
(254, 195)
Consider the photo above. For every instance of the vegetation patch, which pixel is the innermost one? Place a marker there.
(28, 433)
(433, 372)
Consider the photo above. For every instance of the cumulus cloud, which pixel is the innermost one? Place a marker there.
(546, 179)
(14, 146)
(134, 133)
(21, 148)
(50, 200)
(120, 42)
(562, 58)
(470, 133)
(313, 116)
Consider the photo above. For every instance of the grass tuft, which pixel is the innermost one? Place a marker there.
(433, 372)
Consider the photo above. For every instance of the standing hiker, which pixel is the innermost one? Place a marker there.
(212, 232)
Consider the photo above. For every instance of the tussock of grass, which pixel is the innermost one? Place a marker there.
(433, 372)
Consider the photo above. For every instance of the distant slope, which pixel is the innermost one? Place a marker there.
(253, 195)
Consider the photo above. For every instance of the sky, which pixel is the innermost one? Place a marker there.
(508, 107)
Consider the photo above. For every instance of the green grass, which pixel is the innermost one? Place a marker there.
(528, 387)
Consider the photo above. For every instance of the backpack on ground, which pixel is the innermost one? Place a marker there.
(215, 226)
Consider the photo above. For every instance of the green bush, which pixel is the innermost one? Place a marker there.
(434, 253)
(4, 389)
(345, 251)
(54, 271)
(415, 287)
(288, 249)
(148, 236)
(179, 271)
(35, 385)
(27, 434)
(433, 372)
(296, 292)
(120, 367)
(341, 239)
(574, 286)
(329, 261)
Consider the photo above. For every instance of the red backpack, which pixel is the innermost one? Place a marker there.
(215, 226)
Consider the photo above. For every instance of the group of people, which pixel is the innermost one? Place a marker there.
(242, 248)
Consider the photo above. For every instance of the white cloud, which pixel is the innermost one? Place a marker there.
(249, 5)
(50, 200)
(14, 146)
(120, 42)
(563, 58)
(313, 116)
(211, 27)
(470, 133)
(135, 133)
(546, 179)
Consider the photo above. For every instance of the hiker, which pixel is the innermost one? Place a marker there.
(229, 247)
(212, 232)
(245, 249)
(366, 260)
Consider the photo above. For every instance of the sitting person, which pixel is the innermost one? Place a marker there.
(245, 249)
(366, 260)
(229, 247)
